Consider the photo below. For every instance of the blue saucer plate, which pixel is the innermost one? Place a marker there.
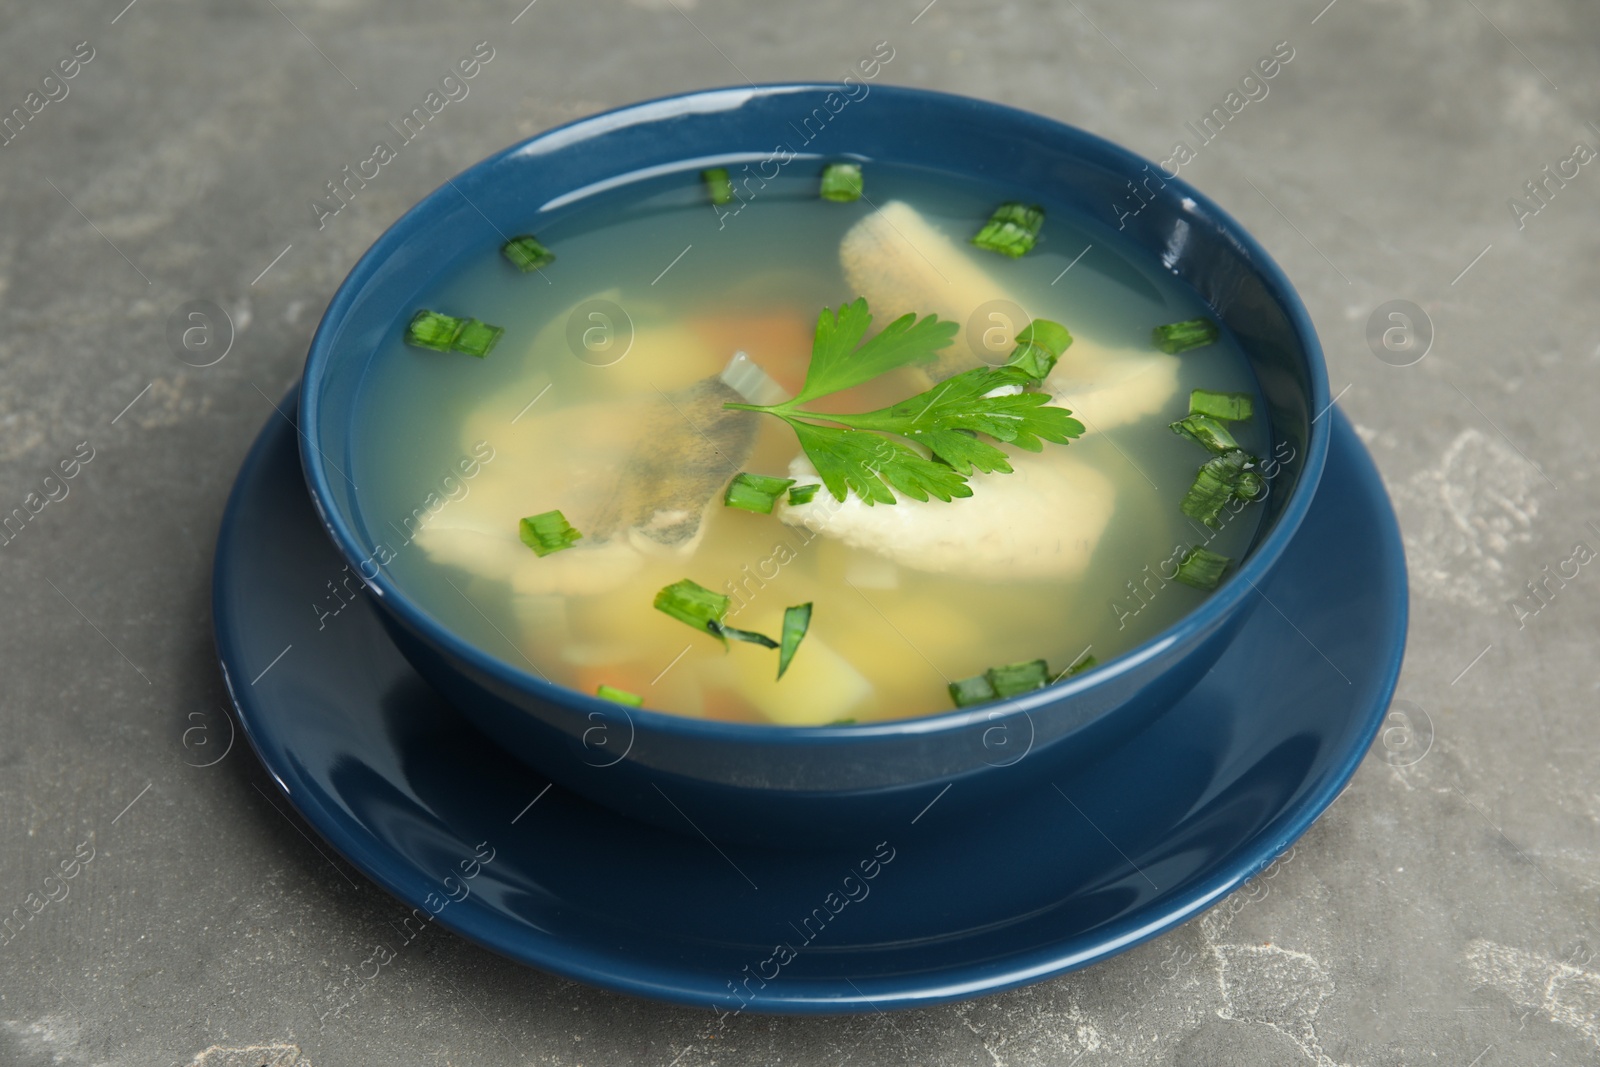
(930, 909)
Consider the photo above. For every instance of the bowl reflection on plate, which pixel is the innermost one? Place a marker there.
(807, 786)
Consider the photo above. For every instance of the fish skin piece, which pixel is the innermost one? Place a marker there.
(688, 448)
(635, 494)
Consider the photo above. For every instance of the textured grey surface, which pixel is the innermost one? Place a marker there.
(1442, 912)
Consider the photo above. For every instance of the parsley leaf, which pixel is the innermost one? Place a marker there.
(853, 456)
(837, 363)
(944, 419)
(867, 465)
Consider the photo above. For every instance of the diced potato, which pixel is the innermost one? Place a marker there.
(932, 626)
(913, 642)
(820, 686)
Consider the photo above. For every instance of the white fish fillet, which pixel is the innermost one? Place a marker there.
(902, 263)
(1110, 387)
(1043, 520)
(1046, 518)
(821, 686)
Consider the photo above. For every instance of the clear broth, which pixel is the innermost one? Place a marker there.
(697, 283)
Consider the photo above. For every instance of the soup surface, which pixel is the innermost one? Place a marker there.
(604, 400)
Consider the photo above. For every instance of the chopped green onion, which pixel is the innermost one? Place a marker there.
(1039, 345)
(430, 329)
(746, 635)
(526, 253)
(842, 182)
(446, 333)
(1205, 431)
(1009, 680)
(1012, 229)
(846, 721)
(755, 492)
(1052, 335)
(1249, 485)
(969, 691)
(1015, 678)
(1079, 667)
(718, 187)
(689, 601)
(1234, 407)
(1215, 484)
(621, 696)
(1201, 568)
(803, 494)
(478, 338)
(1177, 337)
(547, 532)
(796, 621)
(1035, 359)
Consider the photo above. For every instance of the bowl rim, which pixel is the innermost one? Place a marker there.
(1224, 601)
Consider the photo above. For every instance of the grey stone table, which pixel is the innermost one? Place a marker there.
(1444, 911)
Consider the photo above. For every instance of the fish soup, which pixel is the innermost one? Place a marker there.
(625, 496)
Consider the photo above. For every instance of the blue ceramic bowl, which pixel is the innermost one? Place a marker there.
(787, 786)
